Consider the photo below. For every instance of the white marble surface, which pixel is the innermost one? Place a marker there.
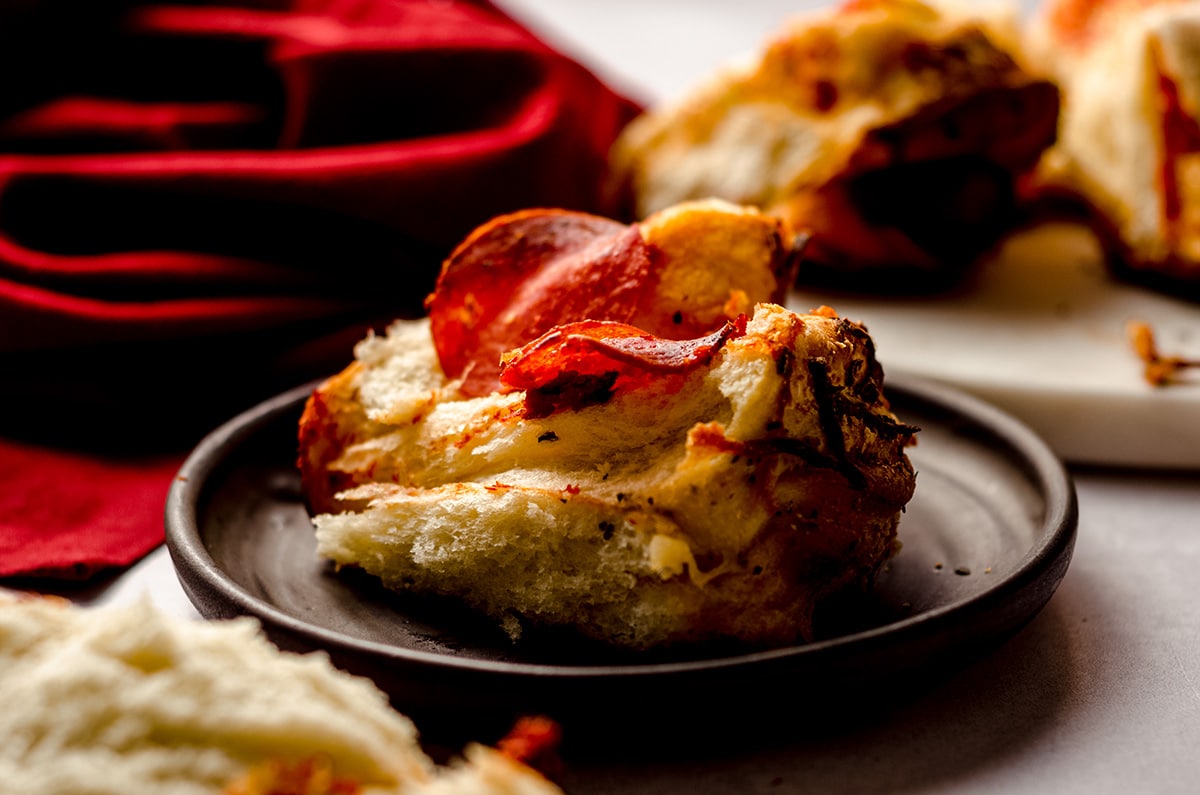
(1099, 694)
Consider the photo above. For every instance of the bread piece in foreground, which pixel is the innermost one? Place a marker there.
(639, 490)
(895, 131)
(128, 701)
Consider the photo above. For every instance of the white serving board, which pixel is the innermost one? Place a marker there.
(1041, 331)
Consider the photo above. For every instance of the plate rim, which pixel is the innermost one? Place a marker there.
(197, 570)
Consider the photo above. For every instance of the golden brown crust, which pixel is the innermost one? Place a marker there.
(332, 419)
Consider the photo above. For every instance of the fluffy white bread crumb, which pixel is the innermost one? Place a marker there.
(128, 701)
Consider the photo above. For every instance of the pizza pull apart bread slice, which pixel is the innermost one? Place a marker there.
(896, 131)
(641, 489)
(1129, 143)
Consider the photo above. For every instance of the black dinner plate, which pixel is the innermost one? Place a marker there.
(986, 539)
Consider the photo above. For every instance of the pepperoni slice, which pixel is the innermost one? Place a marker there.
(585, 363)
(522, 274)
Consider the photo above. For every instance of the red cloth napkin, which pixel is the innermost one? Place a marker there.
(202, 205)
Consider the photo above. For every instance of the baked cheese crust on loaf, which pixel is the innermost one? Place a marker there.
(896, 131)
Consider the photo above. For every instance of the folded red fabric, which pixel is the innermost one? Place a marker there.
(203, 204)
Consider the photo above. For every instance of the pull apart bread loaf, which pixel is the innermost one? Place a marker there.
(897, 131)
(128, 701)
(1130, 135)
(614, 429)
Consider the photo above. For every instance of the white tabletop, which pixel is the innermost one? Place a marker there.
(1099, 693)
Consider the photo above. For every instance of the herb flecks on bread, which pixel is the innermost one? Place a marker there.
(641, 490)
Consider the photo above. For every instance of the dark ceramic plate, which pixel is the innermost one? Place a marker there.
(986, 540)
